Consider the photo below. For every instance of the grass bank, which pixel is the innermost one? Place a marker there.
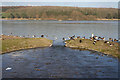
(100, 46)
(11, 43)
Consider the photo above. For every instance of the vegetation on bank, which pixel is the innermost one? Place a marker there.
(11, 43)
(100, 46)
(58, 13)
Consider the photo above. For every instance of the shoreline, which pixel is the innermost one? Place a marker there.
(99, 47)
(58, 20)
(25, 49)
(14, 43)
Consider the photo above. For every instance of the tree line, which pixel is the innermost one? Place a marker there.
(59, 13)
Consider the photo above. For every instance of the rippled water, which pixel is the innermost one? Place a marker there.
(58, 29)
(58, 61)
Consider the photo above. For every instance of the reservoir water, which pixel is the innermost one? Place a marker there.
(58, 61)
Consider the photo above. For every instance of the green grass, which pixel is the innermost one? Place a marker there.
(9, 45)
(100, 46)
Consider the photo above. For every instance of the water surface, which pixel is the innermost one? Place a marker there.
(58, 61)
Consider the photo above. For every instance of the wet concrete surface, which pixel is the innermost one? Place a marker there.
(58, 62)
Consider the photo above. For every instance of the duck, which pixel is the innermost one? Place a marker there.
(55, 38)
(99, 37)
(42, 35)
(115, 40)
(80, 41)
(92, 35)
(111, 44)
(64, 39)
(106, 42)
(73, 36)
(33, 36)
(94, 42)
(78, 37)
(91, 38)
(20, 36)
(83, 37)
(103, 38)
(119, 39)
(69, 37)
(28, 35)
(95, 37)
(111, 39)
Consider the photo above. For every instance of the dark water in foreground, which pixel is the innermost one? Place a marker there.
(58, 61)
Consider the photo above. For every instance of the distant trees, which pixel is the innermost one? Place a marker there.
(63, 13)
(11, 16)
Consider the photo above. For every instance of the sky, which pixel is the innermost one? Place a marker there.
(60, 0)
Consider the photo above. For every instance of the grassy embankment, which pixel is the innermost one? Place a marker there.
(100, 46)
(11, 43)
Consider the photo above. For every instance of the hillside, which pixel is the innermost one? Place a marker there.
(59, 13)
